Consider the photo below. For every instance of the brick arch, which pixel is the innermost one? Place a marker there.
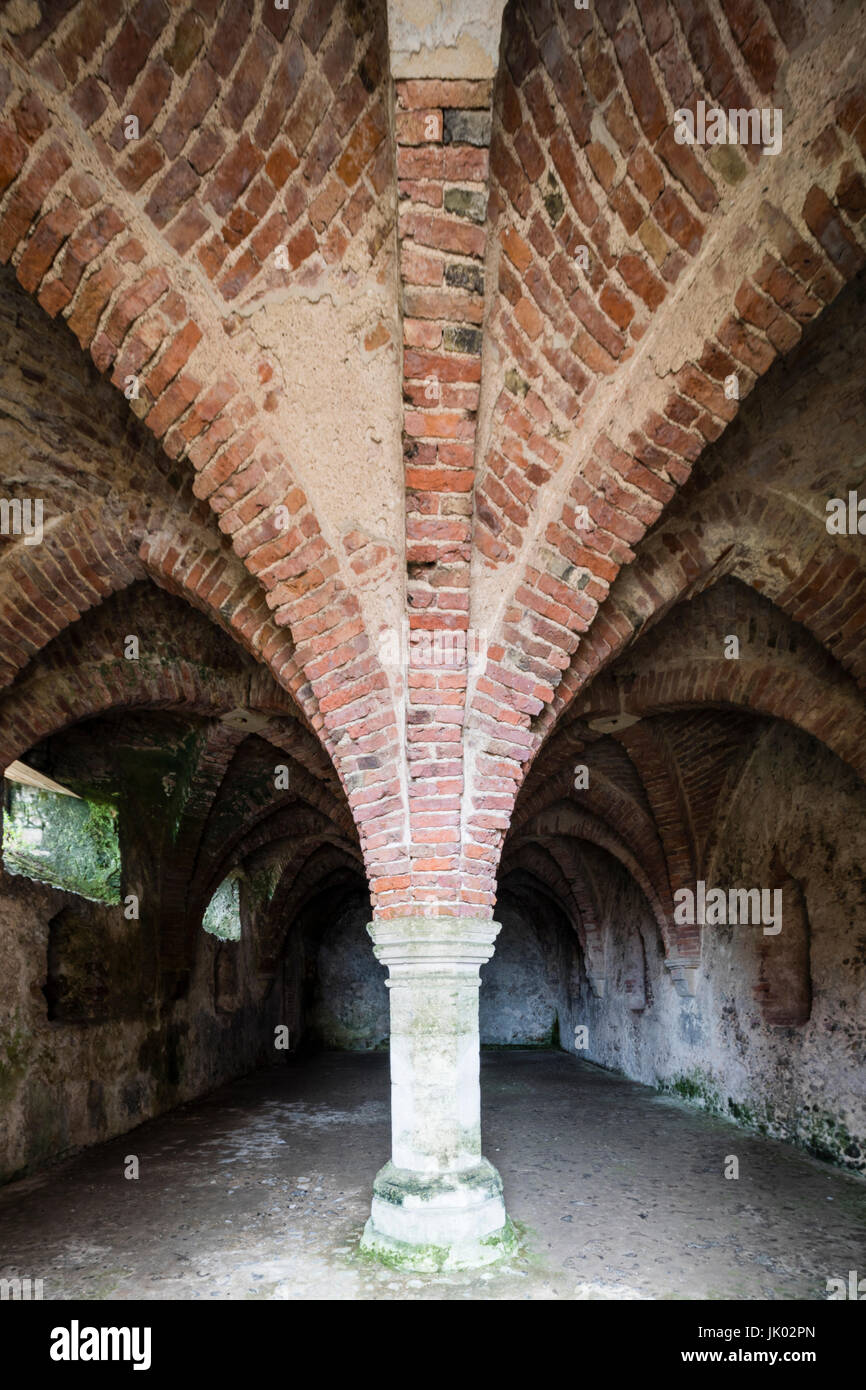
(798, 696)
(136, 518)
(587, 99)
(735, 781)
(190, 878)
(564, 819)
(191, 882)
(179, 557)
(782, 673)
(824, 594)
(328, 852)
(54, 699)
(556, 863)
(672, 567)
(44, 588)
(297, 822)
(84, 247)
(125, 600)
(671, 811)
(292, 737)
(560, 72)
(189, 561)
(311, 860)
(75, 680)
(260, 821)
(47, 703)
(214, 756)
(182, 558)
(571, 895)
(257, 126)
(607, 801)
(90, 554)
(305, 871)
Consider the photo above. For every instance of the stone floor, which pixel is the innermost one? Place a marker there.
(261, 1191)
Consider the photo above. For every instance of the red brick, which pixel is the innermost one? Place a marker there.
(574, 183)
(196, 101)
(230, 36)
(144, 160)
(125, 59)
(640, 278)
(366, 138)
(233, 175)
(827, 226)
(419, 94)
(674, 218)
(13, 153)
(640, 82)
(685, 166)
(91, 301)
(88, 101)
(249, 80)
(621, 127)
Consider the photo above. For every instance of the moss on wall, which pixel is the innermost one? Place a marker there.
(67, 843)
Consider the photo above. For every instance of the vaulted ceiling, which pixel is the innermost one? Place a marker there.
(360, 339)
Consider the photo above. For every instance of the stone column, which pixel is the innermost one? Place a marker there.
(437, 1204)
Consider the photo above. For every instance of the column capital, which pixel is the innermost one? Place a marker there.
(430, 945)
(684, 972)
(444, 38)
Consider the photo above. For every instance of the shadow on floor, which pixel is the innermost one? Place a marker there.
(261, 1190)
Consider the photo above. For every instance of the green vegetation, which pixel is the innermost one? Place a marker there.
(818, 1132)
(68, 843)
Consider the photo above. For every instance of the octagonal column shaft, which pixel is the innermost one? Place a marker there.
(437, 1203)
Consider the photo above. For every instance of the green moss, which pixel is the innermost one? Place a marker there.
(817, 1131)
(436, 1259)
(260, 886)
(695, 1086)
(157, 780)
(68, 843)
(13, 1061)
(824, 1136)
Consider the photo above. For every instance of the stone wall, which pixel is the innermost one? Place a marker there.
(109, 1055)
(774, 1037)
(345, 1001)
(798, 819)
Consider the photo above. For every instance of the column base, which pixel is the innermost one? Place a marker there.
(448, 1221)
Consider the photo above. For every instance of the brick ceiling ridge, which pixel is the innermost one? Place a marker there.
(447, 212)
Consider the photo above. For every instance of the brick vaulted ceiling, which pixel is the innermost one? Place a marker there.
(390, 336)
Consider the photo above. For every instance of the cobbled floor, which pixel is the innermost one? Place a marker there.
(261, 1190)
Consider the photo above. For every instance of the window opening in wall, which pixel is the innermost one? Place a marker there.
(62, 839)
(222, 916)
